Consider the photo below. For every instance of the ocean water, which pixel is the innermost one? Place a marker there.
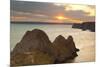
(84, 40)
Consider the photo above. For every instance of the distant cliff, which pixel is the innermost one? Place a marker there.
(85, 26)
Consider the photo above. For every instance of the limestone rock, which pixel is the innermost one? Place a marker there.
(71, 44)
(61, 52)
(35, 41)
(36, 48)
(31, 58)
(64, 49)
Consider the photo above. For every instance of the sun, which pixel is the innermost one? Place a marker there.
(60, 17)
(63, 19)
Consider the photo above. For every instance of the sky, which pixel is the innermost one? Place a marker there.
(51, 12)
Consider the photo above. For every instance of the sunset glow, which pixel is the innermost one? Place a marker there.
(60, 17)
(52, 12)
(85, 8)
(74, 7)
(63, 18)
(75, 20)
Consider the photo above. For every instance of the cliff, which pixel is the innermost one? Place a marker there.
(85, 26)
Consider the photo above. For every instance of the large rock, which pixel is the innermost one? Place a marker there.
(64, 49)
(60, 49)
(36, 48)
(35, 41)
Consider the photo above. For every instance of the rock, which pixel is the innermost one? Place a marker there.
(85, 26)
(64, 49)
(71, 44)
(60, 50)
(88, 26)
(33, 40)
(31, 58)
(36, 48)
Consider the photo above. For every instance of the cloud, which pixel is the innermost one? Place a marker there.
(90, 10)
(39, 11)
(85, 8)
(79, 15)
(36, 7)
(76, 11)
(26, 16)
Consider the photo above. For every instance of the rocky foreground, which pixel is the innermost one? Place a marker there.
(35, 48)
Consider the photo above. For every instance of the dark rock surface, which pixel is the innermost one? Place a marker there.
(32, 42)
(71, 44)
(64, 48)
(35, 39)
(36, 48)
(60, 49)
(31, 58)
(85, 26)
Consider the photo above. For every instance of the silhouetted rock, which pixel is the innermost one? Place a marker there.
(34, 40)
(77, 25)
(60, 49)
(85, 26)
(71, 44)
(36, 48)
(64, 49)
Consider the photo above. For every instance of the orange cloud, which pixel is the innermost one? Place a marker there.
(85, 8)
(74, 20)
(63, 18)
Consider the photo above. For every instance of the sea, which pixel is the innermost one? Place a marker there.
(84, 40)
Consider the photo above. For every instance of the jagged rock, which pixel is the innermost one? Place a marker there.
(71, 44)
(36, 48)
(61, 52)
(33, 40)
(64, 49)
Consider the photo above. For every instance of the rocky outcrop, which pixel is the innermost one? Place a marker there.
(35, 41)
(64, 49)
(36, 48)
(85, 26)
(31, 58)
(71, 44)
